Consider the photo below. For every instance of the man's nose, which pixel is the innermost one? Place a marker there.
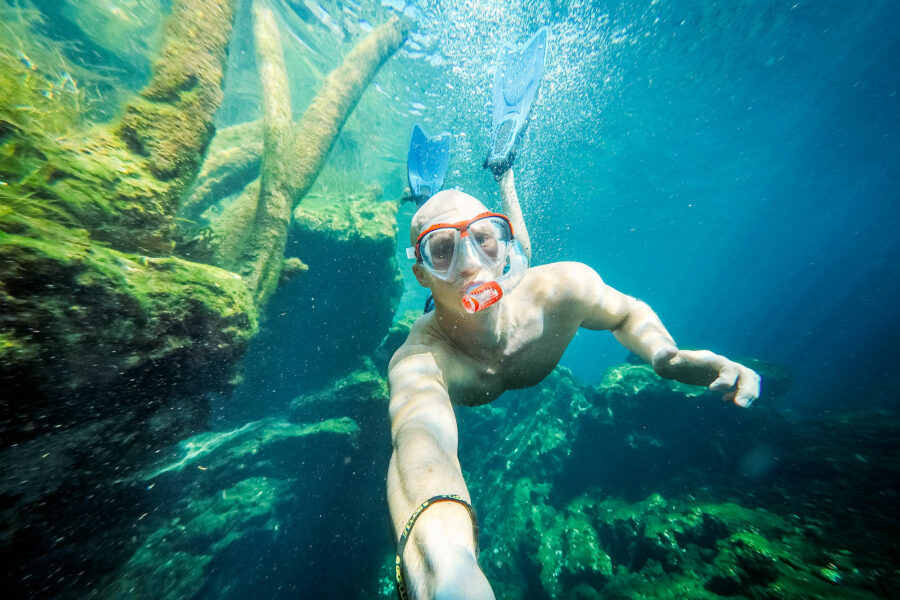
(468, 261)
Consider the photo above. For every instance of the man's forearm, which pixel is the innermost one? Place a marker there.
(439, 561)
(642, 332)
(512, 210)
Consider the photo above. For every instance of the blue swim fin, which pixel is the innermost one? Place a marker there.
(426, 163)
(516, 84)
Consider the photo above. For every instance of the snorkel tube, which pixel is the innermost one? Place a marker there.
(479, 296)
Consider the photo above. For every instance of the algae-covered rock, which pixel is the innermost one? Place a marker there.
(175, 559)
(219, 450)
(643, 488)
(104, 357)
(221, 493)
(364, 391)
(110, 346)
(292, 267)
(571, 553)
(664, 548)
(119, 314)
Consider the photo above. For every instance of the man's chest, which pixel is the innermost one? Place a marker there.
(530, 351)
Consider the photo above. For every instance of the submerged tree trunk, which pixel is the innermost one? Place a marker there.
(293, 154)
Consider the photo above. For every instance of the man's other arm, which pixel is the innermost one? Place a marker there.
(640, 330)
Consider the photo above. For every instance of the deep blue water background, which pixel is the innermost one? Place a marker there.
(754, 204)
(733, 164)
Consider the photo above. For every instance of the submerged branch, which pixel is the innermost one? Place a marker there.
(273, 212)
(170, 123)
(321, 123)
(293, 154)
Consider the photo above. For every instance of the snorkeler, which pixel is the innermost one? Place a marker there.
(497, 325)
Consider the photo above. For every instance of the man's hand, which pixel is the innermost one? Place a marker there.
(737, 383)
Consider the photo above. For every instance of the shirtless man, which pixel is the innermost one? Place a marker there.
(453, 356)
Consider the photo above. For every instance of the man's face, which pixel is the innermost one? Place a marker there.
(452, 206)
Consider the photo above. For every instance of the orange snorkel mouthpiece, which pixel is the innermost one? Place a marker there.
(480, 296)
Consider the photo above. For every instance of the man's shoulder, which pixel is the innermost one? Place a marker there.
(560, 280)
(422, 339)
(564, 268)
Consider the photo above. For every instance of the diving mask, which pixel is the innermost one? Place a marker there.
(443, 248)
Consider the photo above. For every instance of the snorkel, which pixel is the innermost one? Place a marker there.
(479, 296)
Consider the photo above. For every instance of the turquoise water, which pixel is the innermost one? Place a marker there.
(733, 164)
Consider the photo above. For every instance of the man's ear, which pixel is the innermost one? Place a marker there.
(421, 275)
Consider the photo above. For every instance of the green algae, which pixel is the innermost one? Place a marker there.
(57, 285)
(229, 488)
(122, 180)
(698, 535)
(359, 217)
(214, 450)
(364, 385)
(174, 559)
(665, 548)
(110, 192)
(109, 343)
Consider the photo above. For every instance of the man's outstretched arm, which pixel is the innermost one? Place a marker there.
(439, 559)
(640, 330)
(512, 210)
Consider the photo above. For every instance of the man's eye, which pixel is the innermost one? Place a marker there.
(441, 250)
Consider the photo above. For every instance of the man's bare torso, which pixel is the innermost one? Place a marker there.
(532, 330)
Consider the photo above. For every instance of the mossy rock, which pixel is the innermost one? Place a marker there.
(174, 560)
(359, 217)
(224, 449)
(76, 316)
(571, 556)
(661, 548)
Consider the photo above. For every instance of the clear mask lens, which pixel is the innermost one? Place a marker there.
(438, 250)
(489, 237)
